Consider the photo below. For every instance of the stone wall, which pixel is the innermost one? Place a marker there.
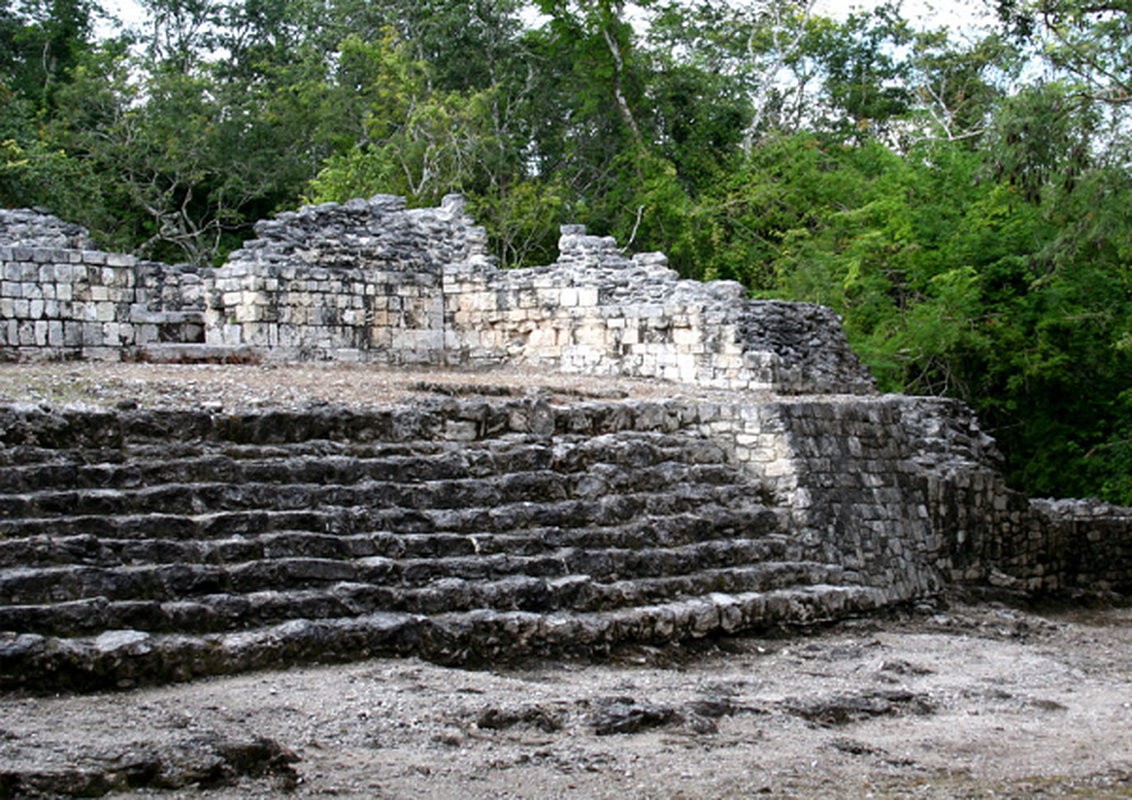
(372, 281)
(363, 281)
(61, 298)
(597, 311)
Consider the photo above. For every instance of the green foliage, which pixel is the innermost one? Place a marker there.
(953, 284)
(522, 221)
(418, 142)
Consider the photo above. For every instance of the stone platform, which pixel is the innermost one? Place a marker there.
(142, 545)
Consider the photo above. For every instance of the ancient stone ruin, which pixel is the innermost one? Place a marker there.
(154, 544)
(370, 281)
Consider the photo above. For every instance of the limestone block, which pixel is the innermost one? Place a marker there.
(92, 334)
(588, 296)
(543, 338)
(593, 334)
(119, 260)
(232, 334)
(72, 333)
(248, 314)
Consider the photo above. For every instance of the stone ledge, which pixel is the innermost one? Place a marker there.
(175, 353)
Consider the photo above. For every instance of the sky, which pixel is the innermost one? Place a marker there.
(954, 14)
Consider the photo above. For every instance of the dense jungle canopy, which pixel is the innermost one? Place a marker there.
(961, 197)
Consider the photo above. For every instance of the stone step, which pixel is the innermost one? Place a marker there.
(199, 465)
(226, 611)
(708, 522)
(31, 435)
(198, 353)
(187, 512)
(179, 581)
(124, 658)
(189, 527)
(338, 466)
(486, 492)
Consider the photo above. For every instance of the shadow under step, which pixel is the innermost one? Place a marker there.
(709, 522)
(363, 507)
(176, 581)
(126, 658)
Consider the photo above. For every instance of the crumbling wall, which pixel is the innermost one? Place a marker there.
(597, 311)
(363, 281)
(61, 298)
(372, 281)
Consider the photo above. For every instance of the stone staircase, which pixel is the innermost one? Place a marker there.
(146, 546)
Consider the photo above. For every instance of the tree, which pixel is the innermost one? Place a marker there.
(1091, 40)
(43, 40)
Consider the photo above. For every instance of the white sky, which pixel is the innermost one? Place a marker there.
(954, 14)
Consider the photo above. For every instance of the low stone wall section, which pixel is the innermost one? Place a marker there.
(362, 281)
(59, 303)
(596, 311)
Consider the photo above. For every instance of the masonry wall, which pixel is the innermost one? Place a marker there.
(907, 495)
(597, 311)
(372, 281)
(361, 281)
(60, 298)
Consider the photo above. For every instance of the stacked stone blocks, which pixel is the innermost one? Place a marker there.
(372, 281)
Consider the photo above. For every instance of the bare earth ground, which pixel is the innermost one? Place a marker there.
(238, 387)
(968, 700)
(973, 701)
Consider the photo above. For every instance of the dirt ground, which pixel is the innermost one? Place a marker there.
(969, 701)
(957, 700)
(234, 387)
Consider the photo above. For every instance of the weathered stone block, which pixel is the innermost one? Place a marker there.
(117, 260)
